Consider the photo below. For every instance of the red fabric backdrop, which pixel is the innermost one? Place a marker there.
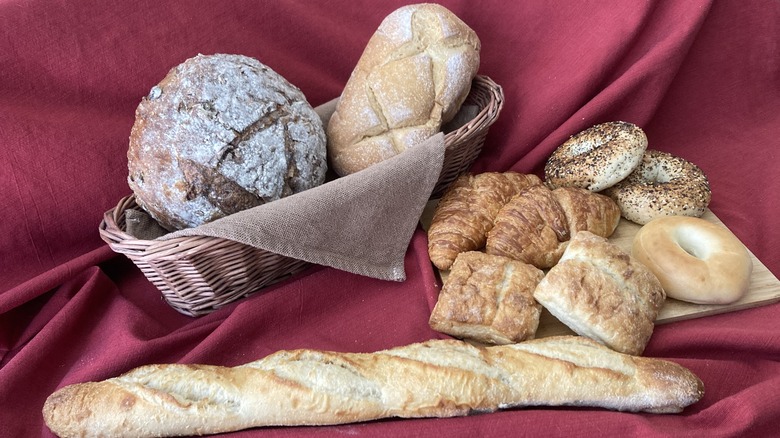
(701, 77)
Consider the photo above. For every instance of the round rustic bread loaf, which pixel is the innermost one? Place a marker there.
(220, 134)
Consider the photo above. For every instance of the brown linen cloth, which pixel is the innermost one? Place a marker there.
(361, 223)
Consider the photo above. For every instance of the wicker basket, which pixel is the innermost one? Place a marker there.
(197, 275)
(465, 143)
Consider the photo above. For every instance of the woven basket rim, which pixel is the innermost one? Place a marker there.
(487, 115)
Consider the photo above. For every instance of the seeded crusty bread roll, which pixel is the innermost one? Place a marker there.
(412, 77)
(438, 378)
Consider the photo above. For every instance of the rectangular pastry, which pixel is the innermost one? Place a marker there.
(489, 299)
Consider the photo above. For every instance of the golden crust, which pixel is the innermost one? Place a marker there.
(466, 212)
(437, 378)
(601, 292)
(414, 74)
(531, 228)
(695, 260)
(588, 211)
(488, 299)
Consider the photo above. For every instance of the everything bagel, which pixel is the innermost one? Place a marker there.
(662, 185)
(596, 158)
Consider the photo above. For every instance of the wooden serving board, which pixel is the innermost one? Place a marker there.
(764, 286)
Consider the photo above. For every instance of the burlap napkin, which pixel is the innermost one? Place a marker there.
(361, 223)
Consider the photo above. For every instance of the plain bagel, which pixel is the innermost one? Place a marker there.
(597, 157)
(662, 185)
(695, 260)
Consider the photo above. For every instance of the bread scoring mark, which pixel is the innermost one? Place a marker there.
(583, 353)
(321, 371)
(186, 386)
(378, 111)
(220, 191)
(223, 112)
(269, 118)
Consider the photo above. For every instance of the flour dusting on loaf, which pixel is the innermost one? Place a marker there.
(220, 134)
(412, 77)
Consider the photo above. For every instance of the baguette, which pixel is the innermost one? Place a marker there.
(437, 378)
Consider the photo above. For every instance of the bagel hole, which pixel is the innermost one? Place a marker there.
(692, 243)
(656, 176)
(583, 147)
(689, 250)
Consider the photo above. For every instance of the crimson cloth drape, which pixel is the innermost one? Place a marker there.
(701, 77)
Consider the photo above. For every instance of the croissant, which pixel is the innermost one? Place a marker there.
(531, 227)
(466, 212)
(588, 211)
